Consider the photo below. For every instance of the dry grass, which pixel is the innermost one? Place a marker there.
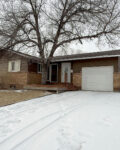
(11, 97)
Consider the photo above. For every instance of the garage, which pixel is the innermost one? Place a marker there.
(97, 78)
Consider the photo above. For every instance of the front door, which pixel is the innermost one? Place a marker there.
(54, 73)
(66, 73)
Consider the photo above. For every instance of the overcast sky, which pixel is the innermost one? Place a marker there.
(86, 47)
(91, 46)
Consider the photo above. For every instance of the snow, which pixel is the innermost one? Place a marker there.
(68, 121)
(17, 91)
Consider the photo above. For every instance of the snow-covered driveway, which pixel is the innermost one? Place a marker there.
(68, 121)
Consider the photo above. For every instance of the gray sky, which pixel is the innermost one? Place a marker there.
(91, 46)
(88, 46)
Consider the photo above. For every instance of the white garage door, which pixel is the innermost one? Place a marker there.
(97, 78)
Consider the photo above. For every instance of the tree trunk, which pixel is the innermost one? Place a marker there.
(44, 73)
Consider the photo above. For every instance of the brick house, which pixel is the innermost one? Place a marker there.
(18, 69)
(96, 71)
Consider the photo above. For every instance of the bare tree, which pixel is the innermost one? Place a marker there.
(48, 26)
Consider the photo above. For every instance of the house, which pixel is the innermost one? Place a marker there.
(18, 69)
(96, 71)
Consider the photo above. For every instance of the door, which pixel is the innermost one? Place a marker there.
(66, 73)
(97, 78)
(54, 73)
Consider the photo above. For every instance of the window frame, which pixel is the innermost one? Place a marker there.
(39, 68)
(10, 67)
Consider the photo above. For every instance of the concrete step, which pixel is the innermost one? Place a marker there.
(56, 89)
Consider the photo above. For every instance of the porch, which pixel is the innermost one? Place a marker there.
(51, 87)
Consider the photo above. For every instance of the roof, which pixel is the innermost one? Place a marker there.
(22, 54)
(83, 56)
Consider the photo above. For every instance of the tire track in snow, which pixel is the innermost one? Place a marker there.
(25, 134)
(25, 130)
(67, 112)
(47, 104)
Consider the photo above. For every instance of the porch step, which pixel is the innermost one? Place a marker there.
(56, 89)
(53, 87)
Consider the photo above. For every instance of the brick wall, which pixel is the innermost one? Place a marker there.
(34, 78)
(17, 78)
(77, 80)
(117, 81)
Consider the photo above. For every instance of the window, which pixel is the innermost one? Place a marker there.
(39, 68)
(14, 66)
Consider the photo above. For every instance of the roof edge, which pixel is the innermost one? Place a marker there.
(94, 57)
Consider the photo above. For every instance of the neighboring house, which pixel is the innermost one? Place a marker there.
(18, 69)
(96, 71)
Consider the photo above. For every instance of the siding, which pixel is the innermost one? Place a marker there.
(77, 65)
(4, 64)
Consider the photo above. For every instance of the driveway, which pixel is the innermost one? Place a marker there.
(68, 121)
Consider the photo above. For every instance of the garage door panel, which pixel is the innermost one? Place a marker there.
(97, 78)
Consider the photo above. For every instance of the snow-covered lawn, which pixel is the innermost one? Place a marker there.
(68, 121)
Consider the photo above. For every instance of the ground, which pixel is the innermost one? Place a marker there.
(8, 97)
(68, 121)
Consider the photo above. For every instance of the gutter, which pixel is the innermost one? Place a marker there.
(94, 57)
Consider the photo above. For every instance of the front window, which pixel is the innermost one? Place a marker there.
(14, 66)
